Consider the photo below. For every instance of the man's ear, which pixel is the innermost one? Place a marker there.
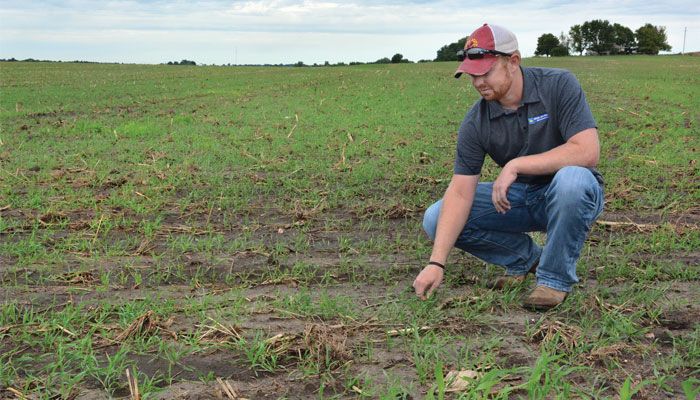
(514, 60)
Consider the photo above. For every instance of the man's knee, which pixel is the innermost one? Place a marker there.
(574, 187)
(573, 182)
(430, 219)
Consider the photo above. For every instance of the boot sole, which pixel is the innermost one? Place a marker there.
(540, 307)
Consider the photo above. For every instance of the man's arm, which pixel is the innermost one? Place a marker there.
(581, 150)
(456, 205)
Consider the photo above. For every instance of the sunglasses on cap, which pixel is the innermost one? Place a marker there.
(476, 53)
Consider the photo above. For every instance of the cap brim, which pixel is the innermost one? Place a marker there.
(476, 67)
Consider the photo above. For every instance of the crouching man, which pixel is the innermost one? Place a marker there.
(536, 124)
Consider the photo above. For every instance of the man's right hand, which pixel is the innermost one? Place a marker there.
(427, 281)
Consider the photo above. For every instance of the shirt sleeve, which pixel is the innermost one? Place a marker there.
(470, 152)
(574, 113)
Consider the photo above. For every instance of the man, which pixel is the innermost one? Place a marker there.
(534, 123)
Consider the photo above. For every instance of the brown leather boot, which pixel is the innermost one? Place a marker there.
(509, 281)
(543, 298)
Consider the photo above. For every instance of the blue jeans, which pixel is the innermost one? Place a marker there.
(564, 208)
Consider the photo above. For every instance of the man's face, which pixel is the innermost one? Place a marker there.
(494, 84)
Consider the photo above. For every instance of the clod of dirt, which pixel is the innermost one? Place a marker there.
(680, 319)
(459, 381)
(608, 352)
(663, 336)
(114, 183)
(58, 174)
(52, 217)
(398, 211)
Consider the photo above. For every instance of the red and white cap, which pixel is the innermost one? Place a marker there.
(489, 37)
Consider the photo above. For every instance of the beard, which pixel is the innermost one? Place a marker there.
(498, 86)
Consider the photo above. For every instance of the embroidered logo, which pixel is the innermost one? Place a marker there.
(538, 118)
(472, 43)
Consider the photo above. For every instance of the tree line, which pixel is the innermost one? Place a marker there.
(600, 37)
(594, 37)
(45, 61)
(183, 62)
(397, 58)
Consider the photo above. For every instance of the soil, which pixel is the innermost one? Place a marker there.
(679, 316)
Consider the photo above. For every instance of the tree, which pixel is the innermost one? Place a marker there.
(576, 36)
(383, 60)
(563, 48)
(545, 44)
(559, 51)
(183, 62)
(564, 41)
(624, 38)
(448, 52)
(598, 36)
(652, 39)
(397, 58)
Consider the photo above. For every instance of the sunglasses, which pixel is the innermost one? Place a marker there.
(476, 53)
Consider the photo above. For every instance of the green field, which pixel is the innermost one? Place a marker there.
(263, 226)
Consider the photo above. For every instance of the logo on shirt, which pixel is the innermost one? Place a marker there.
(538, 118)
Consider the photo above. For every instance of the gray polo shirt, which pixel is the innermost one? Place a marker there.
(552, 110)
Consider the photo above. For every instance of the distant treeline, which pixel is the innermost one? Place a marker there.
(35, 60)
(600, 37)
(183, 62)
(596, 37)
(395, 59)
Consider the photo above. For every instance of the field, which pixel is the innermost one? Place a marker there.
(258, 229)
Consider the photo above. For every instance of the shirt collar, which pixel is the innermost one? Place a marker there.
(530, 95)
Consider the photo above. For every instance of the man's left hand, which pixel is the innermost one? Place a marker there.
(499, 195)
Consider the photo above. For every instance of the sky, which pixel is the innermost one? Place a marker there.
(288, 31)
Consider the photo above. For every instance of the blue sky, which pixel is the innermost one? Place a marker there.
(287, 31)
